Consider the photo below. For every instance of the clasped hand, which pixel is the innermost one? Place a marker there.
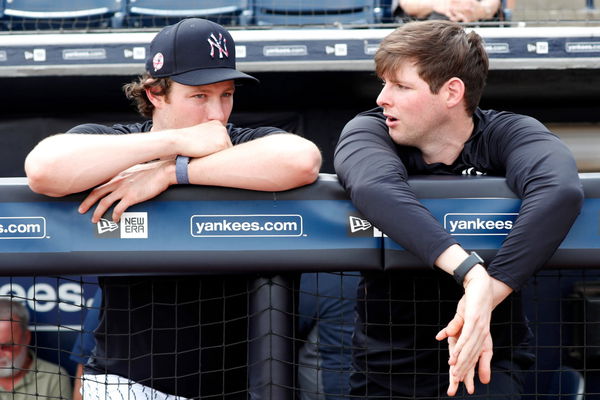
(145, 181)
(468, 333)
(459, 10)
(201, 140)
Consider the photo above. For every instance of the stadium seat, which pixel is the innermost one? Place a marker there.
(165, 12)
(567, 384)
(62, 14)
(315, 12)
(556, 383)
(386, 11)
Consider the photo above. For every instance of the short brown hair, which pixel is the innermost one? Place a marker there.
(441, 50)
(136, 92)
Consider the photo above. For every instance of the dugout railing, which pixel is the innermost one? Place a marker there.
(251, 248)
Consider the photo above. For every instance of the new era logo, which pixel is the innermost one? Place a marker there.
(133, 225)
(358, 224)
(104, 225)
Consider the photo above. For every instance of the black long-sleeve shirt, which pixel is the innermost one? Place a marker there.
(538, 167)
(400, 312)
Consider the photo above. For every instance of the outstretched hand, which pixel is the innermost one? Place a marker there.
(134, 185)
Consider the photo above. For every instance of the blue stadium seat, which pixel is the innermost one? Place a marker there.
(60, 14)
(315, 12)
(386, 11)
(566, 384)
(165, 12)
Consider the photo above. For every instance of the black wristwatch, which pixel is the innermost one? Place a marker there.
(465, 267)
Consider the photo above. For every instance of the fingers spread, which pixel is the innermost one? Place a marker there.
(103, 206)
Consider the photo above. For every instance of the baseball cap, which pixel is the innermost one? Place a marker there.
(193, 52)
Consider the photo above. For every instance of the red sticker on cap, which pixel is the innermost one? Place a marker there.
(158, 61)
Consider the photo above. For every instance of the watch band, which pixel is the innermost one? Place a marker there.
(466, 266)
(181, 170)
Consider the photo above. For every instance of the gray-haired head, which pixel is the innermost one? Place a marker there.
(11, 310)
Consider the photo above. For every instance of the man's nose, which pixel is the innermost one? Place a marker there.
(384, 96)
(216, 112)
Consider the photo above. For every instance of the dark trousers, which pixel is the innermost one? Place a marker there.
(506, 384)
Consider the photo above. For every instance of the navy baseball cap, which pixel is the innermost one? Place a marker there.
(193, 52)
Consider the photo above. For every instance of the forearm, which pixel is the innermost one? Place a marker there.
(417, 8)
(375, 178)
(451, 258)
(454, 255)
(545, 218)
(272, 163)
(77, 383)
(71, 163)
(500, 290)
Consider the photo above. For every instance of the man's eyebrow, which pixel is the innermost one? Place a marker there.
(211, 90)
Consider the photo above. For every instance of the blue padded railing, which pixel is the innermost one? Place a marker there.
(203, 229)
(209, 230)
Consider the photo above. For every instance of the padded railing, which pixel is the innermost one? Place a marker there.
(210, 229)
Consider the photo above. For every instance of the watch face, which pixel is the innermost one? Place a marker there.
(479, 258)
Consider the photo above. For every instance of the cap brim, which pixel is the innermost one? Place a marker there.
(211, 75)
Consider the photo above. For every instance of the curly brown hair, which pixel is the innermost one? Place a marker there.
(136, 92)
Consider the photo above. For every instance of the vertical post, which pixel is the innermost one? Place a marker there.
(270, 347)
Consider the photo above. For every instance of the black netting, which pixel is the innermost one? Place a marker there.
(294, 336)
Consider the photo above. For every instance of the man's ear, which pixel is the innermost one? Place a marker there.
(156, 100)
(455, 91)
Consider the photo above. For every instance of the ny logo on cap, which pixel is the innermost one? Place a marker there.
(220, 44)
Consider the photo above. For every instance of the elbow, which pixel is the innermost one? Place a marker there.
(309, 164)
(572, 195)
(566, 198)
(305, 166)
(35, 173)
(40, 177)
